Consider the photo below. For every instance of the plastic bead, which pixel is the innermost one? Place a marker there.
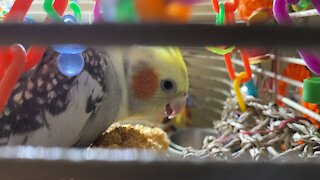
(252, 89)
(69, 19)
(69, 48)
(70, 64)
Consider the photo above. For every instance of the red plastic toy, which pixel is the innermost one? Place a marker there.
(14, 59)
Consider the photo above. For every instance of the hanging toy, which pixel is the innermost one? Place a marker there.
(311, 98)
(251, 88)
(303, 73)
(172, 11)
(220, 20)
(256, 12)
(13, 59)
(10, 74)
(225, 15)
(310, 56)
(301, 5)
(36, 52)
(311, 88)
(247, 7)
(70, 62)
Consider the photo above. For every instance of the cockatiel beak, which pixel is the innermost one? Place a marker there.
(174, 107)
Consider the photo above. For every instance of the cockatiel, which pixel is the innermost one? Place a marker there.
(47, 108)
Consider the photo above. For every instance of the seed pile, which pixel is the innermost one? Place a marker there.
(133, 136)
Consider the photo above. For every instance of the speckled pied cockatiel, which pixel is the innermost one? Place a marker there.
(49, 109)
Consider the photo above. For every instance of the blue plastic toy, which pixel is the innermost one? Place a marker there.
(252, 89)
(70, 62)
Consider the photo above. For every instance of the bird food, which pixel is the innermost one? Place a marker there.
(134, 136)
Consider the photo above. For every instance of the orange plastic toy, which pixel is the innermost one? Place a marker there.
(246, 65)
(299, 73)
(256, 12)
(163, 11)
(247, 7)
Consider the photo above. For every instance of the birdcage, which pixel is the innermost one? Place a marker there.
(280, 111)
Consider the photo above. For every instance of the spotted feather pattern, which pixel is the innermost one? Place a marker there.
(45, 90)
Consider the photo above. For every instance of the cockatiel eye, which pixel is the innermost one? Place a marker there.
(168, 85)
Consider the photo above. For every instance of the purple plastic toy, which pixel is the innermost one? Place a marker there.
(97, 11)
(280, 12)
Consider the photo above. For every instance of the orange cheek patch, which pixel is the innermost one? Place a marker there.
(145, 83)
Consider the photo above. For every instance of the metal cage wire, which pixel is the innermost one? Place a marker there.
(210, 85)
(208, 94)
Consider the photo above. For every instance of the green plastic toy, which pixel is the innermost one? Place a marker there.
(220, 21)
(74, 6)
(302, 5)
(126, 11)
(311, 90)
(48, 7)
